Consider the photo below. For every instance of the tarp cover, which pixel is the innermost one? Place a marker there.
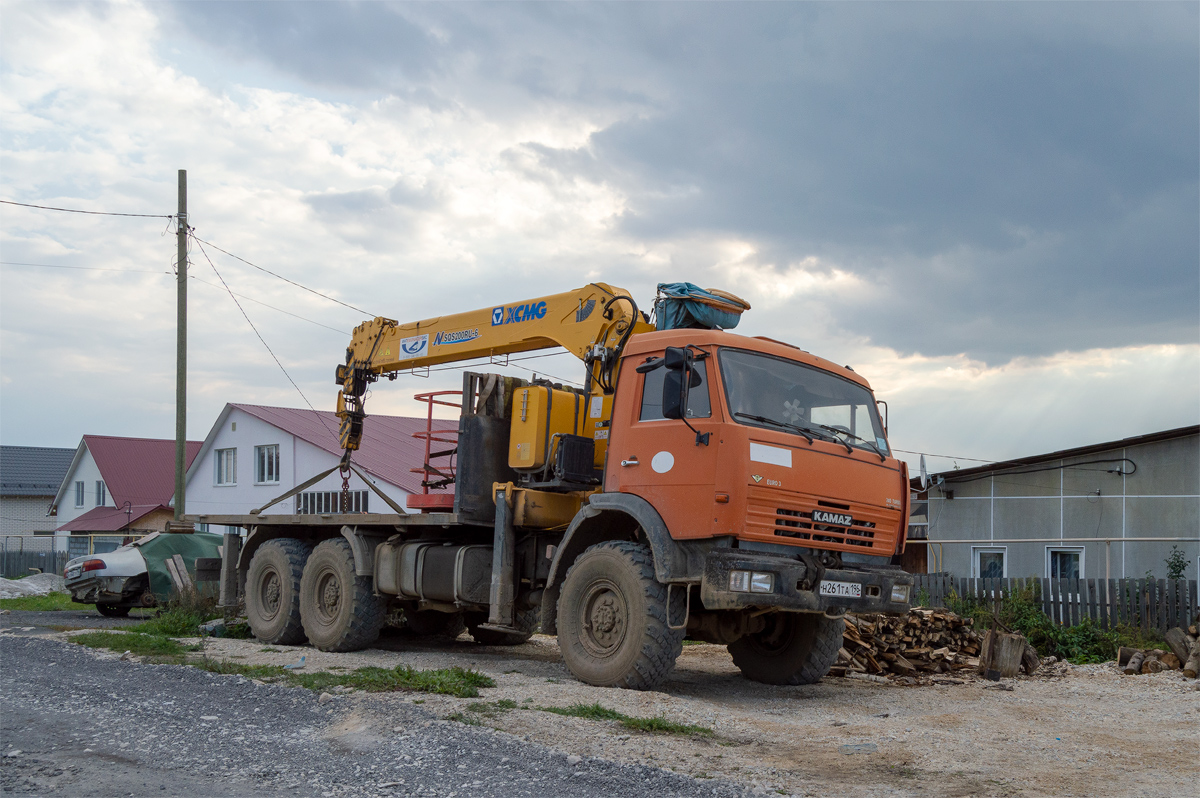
(683, 305)
(162, 546)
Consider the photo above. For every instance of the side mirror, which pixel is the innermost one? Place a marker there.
(676, 382)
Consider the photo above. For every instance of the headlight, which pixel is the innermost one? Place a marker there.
(900, 593)
(739, 581)
(760, 583)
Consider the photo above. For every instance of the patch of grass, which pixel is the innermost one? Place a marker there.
(52, 602)
(176, 621)
(454, 681)
(270, 650)
(134, 642)
(693, 642)
(659, 725)
(491, 709)
(238, 631)
(460, 717)
(238, 669)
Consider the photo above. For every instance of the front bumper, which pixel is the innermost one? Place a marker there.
(795, 585)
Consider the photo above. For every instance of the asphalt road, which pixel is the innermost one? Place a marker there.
(78, 724)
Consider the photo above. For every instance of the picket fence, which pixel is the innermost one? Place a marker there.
(1145, 603)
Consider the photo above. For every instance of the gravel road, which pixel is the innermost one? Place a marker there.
(80, 723)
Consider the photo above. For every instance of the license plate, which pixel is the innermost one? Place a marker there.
(72, 573)
(841, 589)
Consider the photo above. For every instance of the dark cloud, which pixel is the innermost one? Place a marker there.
(1020, 178)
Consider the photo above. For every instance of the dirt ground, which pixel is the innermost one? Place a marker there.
(1069, 730)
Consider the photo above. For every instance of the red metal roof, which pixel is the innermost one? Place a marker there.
(110, 519)
(140, 471)
(388, 448)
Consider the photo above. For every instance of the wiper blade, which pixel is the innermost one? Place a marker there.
(849, 434)
(780, 424)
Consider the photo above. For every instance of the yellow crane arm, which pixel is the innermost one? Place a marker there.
(591, 322)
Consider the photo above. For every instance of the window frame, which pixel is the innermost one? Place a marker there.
(1080, 550)
(218, 471)
(976, 571)
(101, 493)
(259, 451)
(80, 492)
(706, 383)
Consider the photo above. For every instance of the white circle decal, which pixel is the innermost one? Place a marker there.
(663, 462)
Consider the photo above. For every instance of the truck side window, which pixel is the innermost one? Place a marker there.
(652, 388)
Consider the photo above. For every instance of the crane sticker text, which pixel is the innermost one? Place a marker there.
(456, 337)
(513, 314)
(414, 347)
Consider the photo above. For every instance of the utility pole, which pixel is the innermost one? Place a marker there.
(181, 264)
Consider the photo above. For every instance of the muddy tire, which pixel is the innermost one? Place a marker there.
(112, 610)
(430, 623)
(525, 621)
(273, 591)
(612, 618)
(339, 611)
(795, 648)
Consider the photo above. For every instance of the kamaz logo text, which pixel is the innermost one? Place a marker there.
(826, 517)
(518, 313)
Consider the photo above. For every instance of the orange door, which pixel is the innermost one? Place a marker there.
(659, 459)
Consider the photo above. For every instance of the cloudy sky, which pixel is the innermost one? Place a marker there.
(989, 210)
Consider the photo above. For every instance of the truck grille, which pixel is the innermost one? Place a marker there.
(766, 518)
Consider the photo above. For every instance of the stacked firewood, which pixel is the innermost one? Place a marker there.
(1184, 654)
(921, 642)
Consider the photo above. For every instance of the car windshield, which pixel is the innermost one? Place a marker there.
(771, 392)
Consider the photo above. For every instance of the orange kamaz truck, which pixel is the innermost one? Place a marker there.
(695, 484)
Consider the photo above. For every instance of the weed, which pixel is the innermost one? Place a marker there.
(922, 599)
(693, 642)
(52, 602)
(658, 724)
(134, 642)
(552, 680)
(1176, 563)
(461, 718)
(180, 617)
(454, 681)
(492, 709)
(237, 669)
(1086, 642)
(238, 631)
(419, 701)
(270, 650)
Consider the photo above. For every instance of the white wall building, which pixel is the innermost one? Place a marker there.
(254, 454)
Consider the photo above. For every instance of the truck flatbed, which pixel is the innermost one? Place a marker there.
(329, 519)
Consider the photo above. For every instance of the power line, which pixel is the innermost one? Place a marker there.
(264, 343)
(92, 213)
(192, 276)
(946, 456)
(281, 277)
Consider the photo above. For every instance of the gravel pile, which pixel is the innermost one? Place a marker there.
(35, 585)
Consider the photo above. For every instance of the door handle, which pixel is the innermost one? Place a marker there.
(632, 461)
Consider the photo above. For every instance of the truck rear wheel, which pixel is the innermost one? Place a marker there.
(273, 591)
(612, 618)
(794, 648)
(339, 610)
(525, 621)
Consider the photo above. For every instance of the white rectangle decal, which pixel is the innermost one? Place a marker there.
(760, 453)
(597, 406)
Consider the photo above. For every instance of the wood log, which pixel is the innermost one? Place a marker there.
(1170, 661)
(1007, 653)
(985, 653)
(1192, 667)
(1123, 655)
(1029, 659)
(1152, 665)
(1177, 641)
(1135, 663)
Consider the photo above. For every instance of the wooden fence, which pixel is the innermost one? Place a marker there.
(1147, 603)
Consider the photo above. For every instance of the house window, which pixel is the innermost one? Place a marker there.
(989, 562)
(327, 502)
(1064, 563)
(101, 496)
(266, 464)
(78, 494)
(226, 463)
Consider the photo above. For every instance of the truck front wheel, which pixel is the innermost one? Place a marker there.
(339, 610)
(794, 648)
(273, 591)
(612, 618)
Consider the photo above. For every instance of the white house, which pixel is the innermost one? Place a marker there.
(254, 454)
(115, 485)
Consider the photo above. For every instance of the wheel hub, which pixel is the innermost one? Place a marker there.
(272, 592)
(330, 594)
(605, 620)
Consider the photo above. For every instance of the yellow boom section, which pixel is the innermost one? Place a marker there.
(591, 322)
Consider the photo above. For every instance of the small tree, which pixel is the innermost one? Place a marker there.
(1176, 563)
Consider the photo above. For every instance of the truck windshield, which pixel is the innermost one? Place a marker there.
(771, 392)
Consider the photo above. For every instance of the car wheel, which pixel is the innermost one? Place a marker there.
(273, 591)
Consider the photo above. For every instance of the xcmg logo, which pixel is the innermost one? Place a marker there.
(518, 313)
